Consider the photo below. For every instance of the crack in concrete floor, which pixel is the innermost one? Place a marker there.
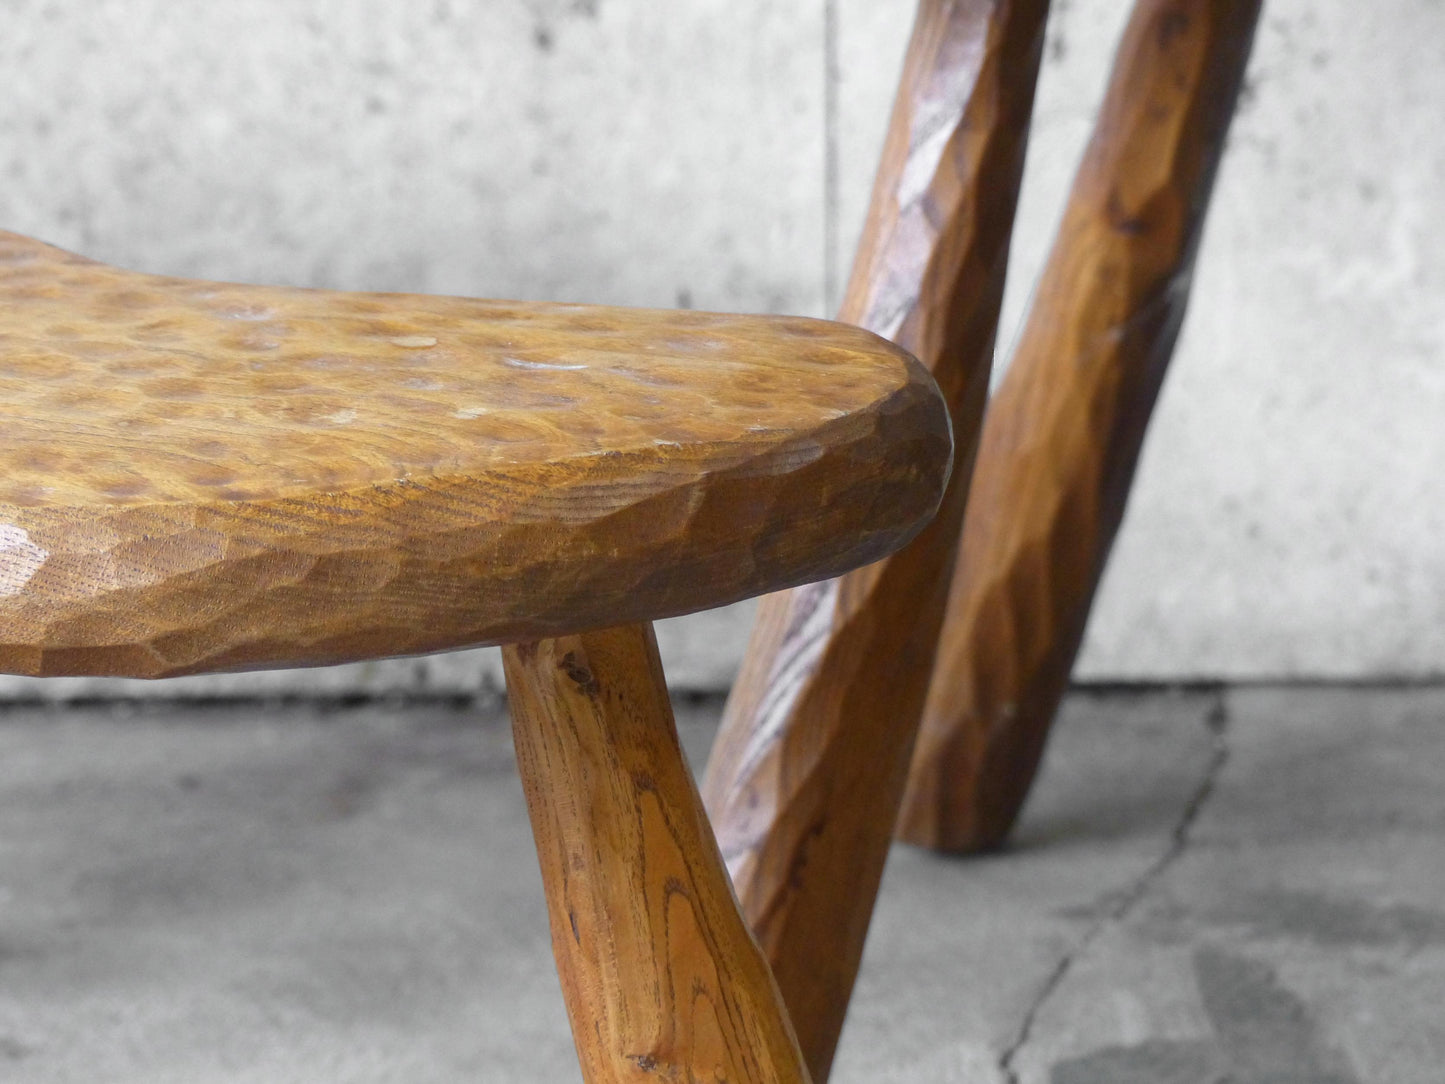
(1117, 905)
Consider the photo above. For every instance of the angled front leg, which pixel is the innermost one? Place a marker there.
(663, 981)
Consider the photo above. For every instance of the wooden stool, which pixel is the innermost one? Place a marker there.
(198, 477)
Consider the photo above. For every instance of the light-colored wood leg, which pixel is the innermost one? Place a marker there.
(1064, 430)
(662, 978)
(808, 770)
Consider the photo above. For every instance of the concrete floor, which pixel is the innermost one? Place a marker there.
(1246, 886)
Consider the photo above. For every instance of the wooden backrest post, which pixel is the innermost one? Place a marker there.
(810, 763)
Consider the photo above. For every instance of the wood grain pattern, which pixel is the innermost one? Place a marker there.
(197, 476)
(662, 979)
(810, 763)
(1063, 432)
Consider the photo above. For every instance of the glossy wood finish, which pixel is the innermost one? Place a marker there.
(809, 766)
(1063, 432)
(662, 979)
(196, 476)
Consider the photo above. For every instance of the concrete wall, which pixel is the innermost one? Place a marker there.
(717, 154)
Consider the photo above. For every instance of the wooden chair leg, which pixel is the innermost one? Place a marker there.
(1064, 430)
(662, 978)
(808, 769)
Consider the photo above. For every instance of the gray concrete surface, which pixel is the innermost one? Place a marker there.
(718, 154)
(1243, 886)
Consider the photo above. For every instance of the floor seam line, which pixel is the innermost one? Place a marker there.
(832, 78)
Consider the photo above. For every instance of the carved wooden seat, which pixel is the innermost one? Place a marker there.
(196, 476)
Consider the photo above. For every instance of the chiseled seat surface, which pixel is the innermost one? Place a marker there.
(199, 476)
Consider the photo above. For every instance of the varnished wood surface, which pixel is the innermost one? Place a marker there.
(197, 476)
(1063, 432)
(809, 766)
(662, 979)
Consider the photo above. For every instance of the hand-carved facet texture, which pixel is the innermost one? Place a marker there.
(198, 476)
